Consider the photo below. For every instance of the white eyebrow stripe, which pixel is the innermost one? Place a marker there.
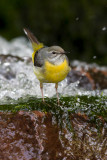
(52, 51)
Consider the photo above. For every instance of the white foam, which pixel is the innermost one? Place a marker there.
(25, 83)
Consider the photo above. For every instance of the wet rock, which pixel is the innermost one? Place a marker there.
(84, 82)
(9, 58)
(36, 135)
(7, 65)
(89, 78)
(99, 78)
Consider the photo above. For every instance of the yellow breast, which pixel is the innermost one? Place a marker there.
(55, 73)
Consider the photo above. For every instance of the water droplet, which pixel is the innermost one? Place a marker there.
(94, 57)
(104, 29)
(77, 18)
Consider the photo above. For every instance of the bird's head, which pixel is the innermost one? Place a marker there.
(54, 54)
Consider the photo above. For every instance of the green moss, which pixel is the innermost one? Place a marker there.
(94, 108)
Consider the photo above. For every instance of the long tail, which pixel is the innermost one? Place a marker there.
(36, 45)
(30, 35)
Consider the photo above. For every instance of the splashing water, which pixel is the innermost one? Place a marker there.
(18, 80)
(37, 131)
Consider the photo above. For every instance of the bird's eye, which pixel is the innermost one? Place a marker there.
(53, 52)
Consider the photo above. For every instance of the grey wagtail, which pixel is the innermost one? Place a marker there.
(50, 64)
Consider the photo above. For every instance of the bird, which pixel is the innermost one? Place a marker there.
(50, 64)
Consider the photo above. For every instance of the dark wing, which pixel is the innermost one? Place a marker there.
(38, 61)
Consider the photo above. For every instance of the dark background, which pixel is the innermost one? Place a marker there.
(77, 26)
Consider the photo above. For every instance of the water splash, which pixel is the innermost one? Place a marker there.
(18, 80)
(104, 28)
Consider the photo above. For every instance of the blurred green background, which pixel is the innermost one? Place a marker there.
(78, 26)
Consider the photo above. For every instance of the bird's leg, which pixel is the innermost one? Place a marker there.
(41, 87)
(56, 87)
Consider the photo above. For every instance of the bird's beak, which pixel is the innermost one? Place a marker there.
(65, 52)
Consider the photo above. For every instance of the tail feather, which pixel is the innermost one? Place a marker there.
(36, 45)
(30, 35)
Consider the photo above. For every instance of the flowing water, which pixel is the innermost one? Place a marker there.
(18, 80)
(19, 89)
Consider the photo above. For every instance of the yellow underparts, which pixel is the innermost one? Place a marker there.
(52, 73)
